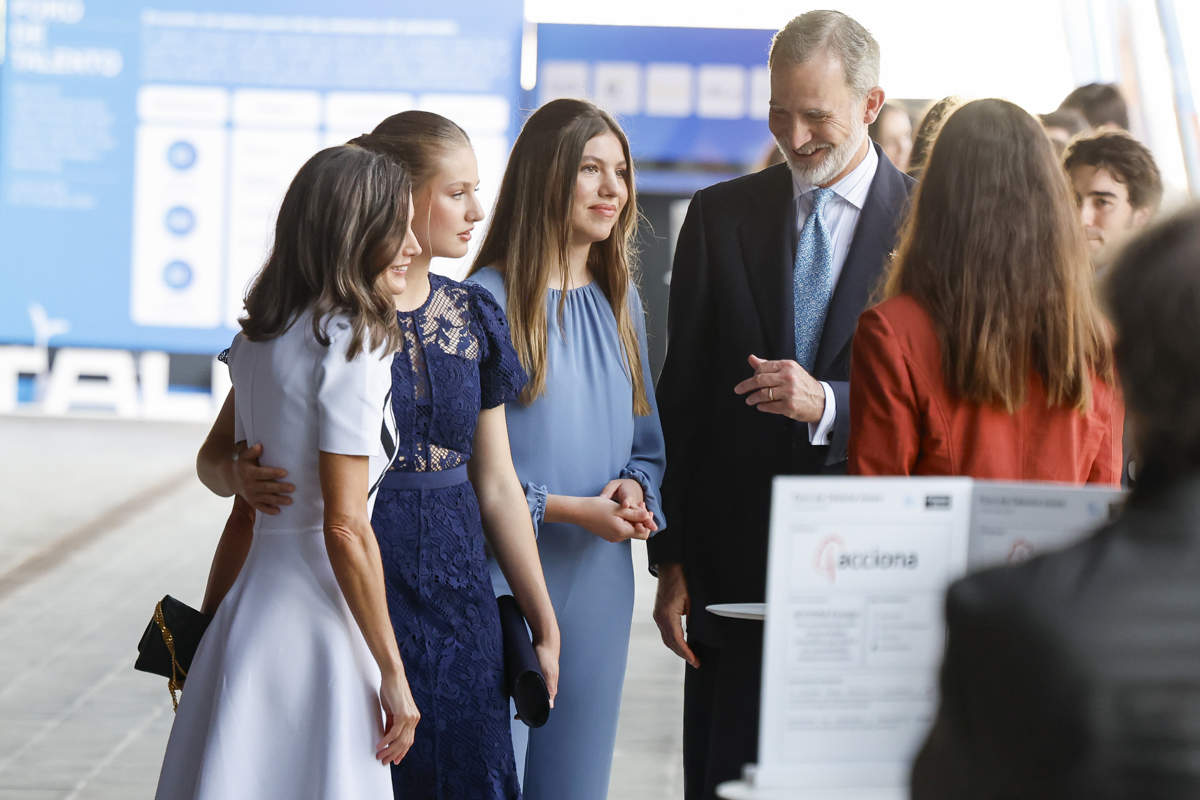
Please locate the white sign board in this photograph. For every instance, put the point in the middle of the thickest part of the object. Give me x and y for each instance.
(854, 628)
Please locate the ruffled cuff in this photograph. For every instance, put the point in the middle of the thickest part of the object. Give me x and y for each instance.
(535, 495)
(649, 493)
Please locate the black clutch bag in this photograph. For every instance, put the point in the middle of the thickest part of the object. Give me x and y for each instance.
(522, 673)
(170, 641)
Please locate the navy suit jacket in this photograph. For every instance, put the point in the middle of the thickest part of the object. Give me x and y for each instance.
(731, 295)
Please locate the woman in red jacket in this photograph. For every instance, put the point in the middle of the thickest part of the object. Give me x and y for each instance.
(989, 357)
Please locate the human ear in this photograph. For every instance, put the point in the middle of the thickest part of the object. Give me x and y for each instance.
(1141, 216)
(875, 98)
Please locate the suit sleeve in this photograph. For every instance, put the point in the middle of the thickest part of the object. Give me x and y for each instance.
(882, 402)
(1110, 458)
(1017, 698)
(839, 438)
(941, 768)
(681, 385)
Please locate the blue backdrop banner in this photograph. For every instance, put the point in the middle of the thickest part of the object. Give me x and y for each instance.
(683, 95)
(144, 150)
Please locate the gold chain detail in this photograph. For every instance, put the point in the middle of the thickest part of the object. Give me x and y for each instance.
(177, 671)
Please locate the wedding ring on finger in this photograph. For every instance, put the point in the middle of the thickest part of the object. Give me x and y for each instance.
(771, 393)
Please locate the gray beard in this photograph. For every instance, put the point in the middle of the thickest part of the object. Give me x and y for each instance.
(834, 162)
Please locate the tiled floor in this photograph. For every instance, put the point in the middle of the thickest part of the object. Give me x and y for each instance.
(98, 519)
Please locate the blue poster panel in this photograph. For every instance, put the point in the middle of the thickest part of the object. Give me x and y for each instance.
(144, 149)
(695, 96)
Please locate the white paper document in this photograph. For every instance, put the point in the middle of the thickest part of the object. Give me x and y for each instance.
(854, 630)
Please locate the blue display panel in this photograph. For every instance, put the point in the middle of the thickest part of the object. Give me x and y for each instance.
(144, 150)
(683, 95)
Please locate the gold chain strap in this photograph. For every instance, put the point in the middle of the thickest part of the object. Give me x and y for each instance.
(177, 671)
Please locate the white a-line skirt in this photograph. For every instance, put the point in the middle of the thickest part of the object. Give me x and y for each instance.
(281, 702)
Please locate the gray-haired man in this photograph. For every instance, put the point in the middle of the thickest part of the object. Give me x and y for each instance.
(770, 275)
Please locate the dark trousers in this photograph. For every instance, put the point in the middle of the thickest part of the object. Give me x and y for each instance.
(720, 711)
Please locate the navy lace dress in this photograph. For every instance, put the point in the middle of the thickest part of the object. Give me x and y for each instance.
(457, 358)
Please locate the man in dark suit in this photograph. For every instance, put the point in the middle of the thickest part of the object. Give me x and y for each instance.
(771, 272)
(1077, 674)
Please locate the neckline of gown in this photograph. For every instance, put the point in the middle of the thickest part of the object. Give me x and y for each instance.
(434, 284)
(554, 290)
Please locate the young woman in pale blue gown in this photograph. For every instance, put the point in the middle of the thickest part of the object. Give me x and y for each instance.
(585, 435)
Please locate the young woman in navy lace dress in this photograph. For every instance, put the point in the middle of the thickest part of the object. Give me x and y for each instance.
(452, 481)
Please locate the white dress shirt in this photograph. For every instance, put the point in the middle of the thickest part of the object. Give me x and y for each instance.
(840, 215)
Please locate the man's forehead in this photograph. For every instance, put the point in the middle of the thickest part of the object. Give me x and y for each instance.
(1097, 178)
(820, 77)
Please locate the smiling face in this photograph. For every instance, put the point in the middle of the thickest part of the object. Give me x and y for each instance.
(394, 278)
(446, 206)
(818, 123)
(601, 189)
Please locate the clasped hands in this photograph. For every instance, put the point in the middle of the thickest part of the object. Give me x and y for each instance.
(618, 513)
(783, 387)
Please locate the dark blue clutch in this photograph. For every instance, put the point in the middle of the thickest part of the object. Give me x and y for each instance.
(522, 673)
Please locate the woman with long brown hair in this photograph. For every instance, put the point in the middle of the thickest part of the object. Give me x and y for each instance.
(989, 356)
(585, 436)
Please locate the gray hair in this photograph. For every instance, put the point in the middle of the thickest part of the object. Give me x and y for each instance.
(837, 34)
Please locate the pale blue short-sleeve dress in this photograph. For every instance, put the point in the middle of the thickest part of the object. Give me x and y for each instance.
(282, 698)
(580, 434)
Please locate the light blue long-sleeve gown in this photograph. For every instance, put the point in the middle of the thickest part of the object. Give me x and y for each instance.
(580, 434)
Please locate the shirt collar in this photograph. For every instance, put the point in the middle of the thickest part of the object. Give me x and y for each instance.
(854, 187)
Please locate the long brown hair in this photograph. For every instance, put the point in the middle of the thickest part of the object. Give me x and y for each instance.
(529, 236)
(992, 250)
(342, 220)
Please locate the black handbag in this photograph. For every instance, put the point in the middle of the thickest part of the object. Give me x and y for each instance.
(170, 641)
(523, 677)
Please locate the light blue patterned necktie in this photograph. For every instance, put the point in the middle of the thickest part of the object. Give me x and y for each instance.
(812, 280)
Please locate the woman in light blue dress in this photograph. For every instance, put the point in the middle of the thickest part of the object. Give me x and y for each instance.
(585, 435)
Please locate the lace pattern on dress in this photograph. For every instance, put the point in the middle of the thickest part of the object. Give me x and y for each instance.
(457, 358)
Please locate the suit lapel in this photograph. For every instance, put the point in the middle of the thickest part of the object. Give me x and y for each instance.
(766, 239)
(873, 241)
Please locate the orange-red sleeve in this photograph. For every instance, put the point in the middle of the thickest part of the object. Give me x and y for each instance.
(884, 419)
(1110, 458)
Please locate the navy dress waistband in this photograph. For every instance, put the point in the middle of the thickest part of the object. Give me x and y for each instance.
(416, 481)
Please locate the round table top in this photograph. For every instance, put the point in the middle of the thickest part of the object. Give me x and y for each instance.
(741, 790)
(744, 790)
(757, 611)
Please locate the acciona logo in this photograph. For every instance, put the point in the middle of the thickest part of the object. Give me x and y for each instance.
(833, 557)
